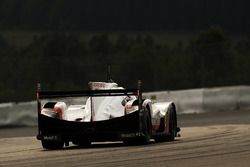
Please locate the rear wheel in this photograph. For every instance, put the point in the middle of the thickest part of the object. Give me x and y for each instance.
(146, 127)
(146, 130)
(52, 145)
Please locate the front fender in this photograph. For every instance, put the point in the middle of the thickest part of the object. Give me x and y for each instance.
(162, 108)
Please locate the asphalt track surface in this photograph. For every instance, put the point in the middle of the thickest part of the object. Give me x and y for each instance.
(213, 139)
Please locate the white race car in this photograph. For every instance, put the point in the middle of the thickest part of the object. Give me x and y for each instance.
(110, 113)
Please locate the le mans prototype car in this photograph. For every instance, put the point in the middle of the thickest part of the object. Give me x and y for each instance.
(110, 113)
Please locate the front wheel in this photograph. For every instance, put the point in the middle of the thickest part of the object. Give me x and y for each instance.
(172, 125)
(169, 127)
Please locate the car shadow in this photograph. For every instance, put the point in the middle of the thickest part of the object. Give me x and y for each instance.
(116, 144)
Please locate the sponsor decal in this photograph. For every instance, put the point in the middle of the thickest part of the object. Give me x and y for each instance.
(131, 135)
(51, 138)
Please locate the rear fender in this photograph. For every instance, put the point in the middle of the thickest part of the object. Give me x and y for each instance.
(148, 104)
(163, 108)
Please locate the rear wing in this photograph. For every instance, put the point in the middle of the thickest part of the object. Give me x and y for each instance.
(82, 93)
(90, 93)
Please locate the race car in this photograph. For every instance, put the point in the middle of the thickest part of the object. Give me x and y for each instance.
(110, 113)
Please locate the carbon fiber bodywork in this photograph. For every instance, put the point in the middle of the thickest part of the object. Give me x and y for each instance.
(114, 129)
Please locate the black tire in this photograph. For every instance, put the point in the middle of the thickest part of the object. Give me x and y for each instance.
(146, 131)
(52, 145)
(146, 127)
(172, 127)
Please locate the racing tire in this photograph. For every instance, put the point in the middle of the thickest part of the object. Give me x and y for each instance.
(172, 124)
(146, 128)
(146, 131)
(52, 145)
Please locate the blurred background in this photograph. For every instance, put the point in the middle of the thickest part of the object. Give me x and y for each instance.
(168, 44)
